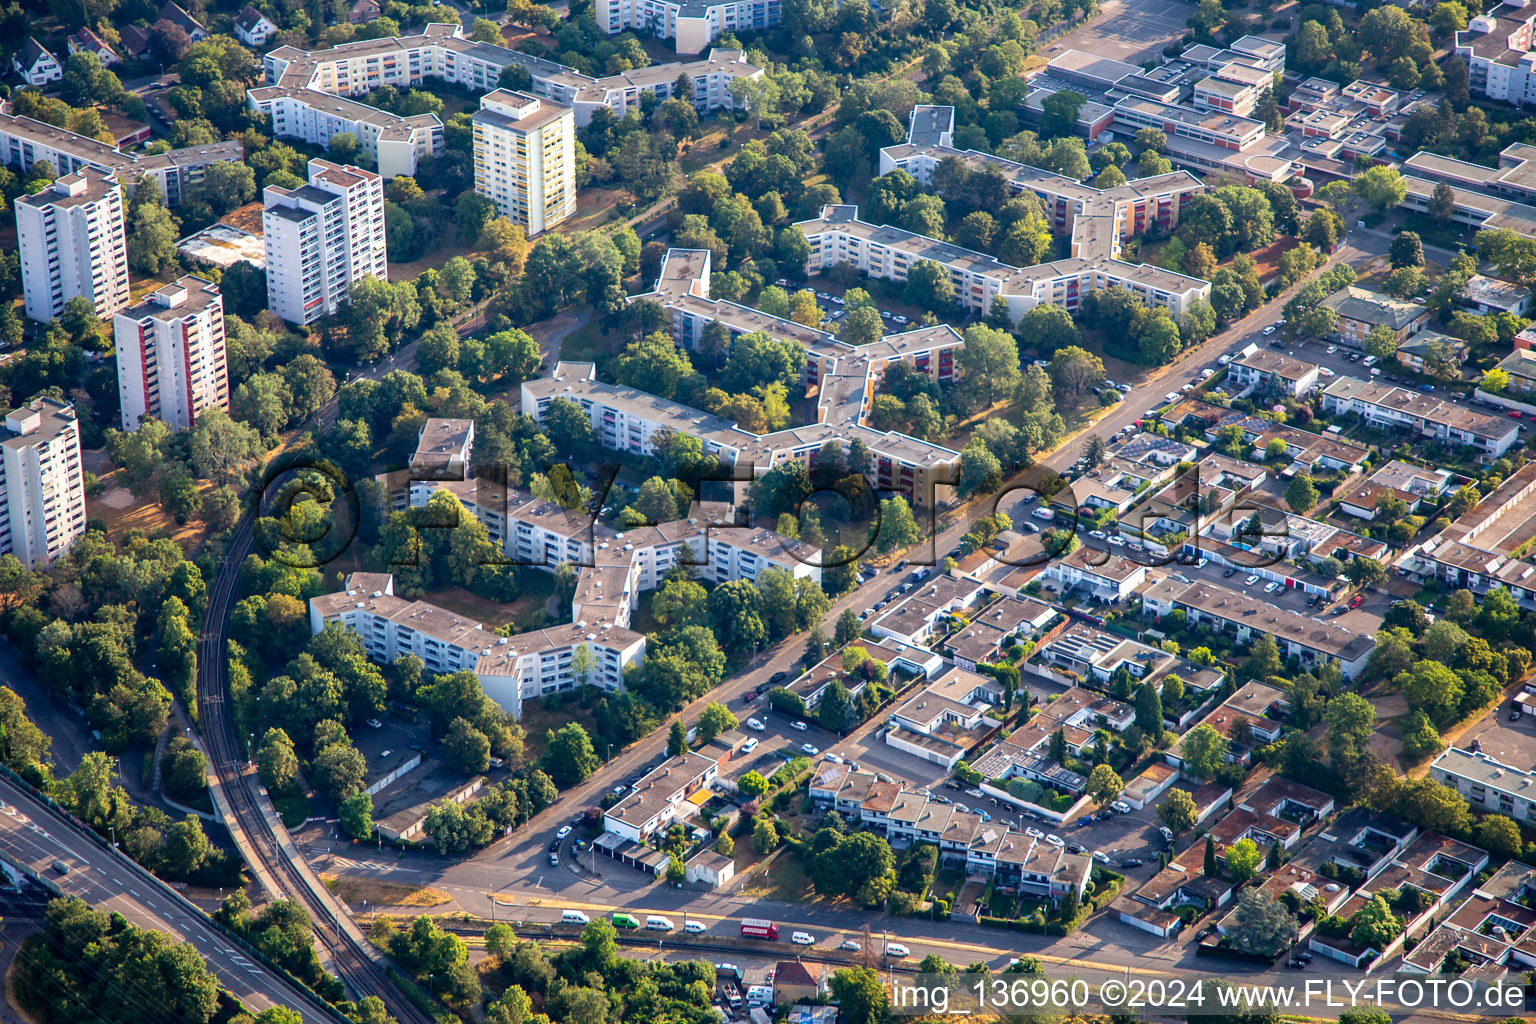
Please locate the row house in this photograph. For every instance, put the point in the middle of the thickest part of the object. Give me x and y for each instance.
(1394, 409)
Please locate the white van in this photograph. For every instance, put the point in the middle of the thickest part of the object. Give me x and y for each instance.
(657, 923)
(574, 917)
(1368, 361)
(1043, 513)
(802, 939)
(897, 950)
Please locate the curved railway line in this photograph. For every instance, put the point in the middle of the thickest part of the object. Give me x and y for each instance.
(257, 825)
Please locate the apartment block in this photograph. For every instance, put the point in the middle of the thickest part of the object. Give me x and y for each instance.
(313, 95)
(171, 355)
(1394, 409)
(692, 24)
(511, 669)
(525, 158)
(25, 141)
(1497, 46)
(42, 485)
(1361, 309)
(72, 244)
(321, 239)
(1228, 611)
(1493, 786)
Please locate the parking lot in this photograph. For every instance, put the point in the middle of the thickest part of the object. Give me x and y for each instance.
(1129, 30)
(895, 315)
(1509, 742)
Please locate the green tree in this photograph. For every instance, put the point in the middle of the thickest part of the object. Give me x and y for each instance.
(1375, 925)
(765, 837)
(276, 761)
(1149, 710)
(677, 738)
(1204, 751)
(340, 770)
(356, 814)
(465, 748)
(860, 996)
(1243, 858)
(568, 756)
(1104, 784)
(1301, 494)
(1178, 810)
(1381, 186)
(1499, 835)
(752, 784)
(715, 719)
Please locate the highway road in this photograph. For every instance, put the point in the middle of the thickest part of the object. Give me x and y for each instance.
(36, 837)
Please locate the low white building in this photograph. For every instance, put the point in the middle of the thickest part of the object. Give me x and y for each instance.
(1270, 371)
(1488, 784)
(663, 795)
(253, 27)
(1100, 574)
(36, 66)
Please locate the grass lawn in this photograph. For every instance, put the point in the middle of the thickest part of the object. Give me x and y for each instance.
(294, 810)
(122, 514)
(587, 343)
(536, 590)
(538, 720)
(784, 879)
(386, 894)
(443, 248)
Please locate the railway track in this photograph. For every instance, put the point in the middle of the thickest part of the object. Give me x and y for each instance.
(258, 825)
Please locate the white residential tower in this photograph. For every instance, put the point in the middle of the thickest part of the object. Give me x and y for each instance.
(171, 355)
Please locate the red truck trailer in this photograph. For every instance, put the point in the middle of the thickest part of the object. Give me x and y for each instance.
(755, 928)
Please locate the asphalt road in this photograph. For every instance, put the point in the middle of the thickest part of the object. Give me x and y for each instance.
(34, 837)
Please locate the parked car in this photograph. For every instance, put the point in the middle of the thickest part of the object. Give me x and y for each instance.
(1271, 587)
(1357, 601)
(1033, 832)
(799, 727)
(1121, 806)
(1250, 581)
(1229, 571)
(750, 745)
(1269, 330)
(695, 927)
(1101, 856)
(755, 725)
(565, 830)
(849, 946)
(1134, 862)
(1054, 839)
(802, 938)
(810, 749)
(777, 678)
